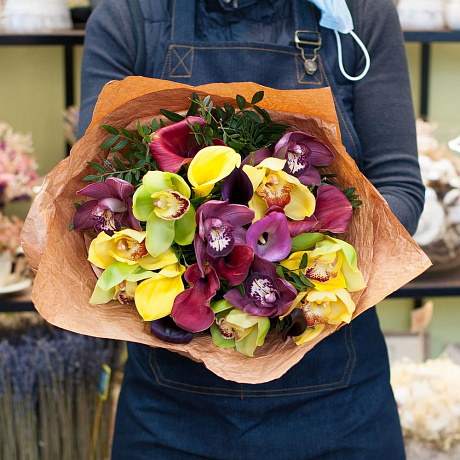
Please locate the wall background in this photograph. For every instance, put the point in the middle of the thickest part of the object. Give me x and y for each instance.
(32, 99)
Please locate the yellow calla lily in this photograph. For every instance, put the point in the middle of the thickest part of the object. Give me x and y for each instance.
(126, 246)
(209, 166)
(155, 296)
(275, 187)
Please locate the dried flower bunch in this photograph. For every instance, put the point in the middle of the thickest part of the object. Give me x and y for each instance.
(10, 229)
(18, 168)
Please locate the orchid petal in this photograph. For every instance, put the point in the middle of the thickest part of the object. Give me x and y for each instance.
(310, 334)
(185, 228)
(142, 204)
(241, 319)
(160, 234)
(200, 252)
(353, 276)
(248, 345)
(255, 175)
(255, 158)
(191, 310)
(171, 144)
(269, 237)
(259, 206)
(101, 296)
(170, 204)
(220, 306)
(237, 188)
(83, 217)
(119, 188)
(236, 215)
(310, 177)
(100, 249)
(98, 191)
(321, 154)
(114, 204)
(302, 203)
(275, 164)
(114, 274)
(127, 219)
(150, 262)
(333, 209)
(219, 340)
(167, 330)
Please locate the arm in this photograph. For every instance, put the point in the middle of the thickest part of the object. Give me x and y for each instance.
(384, 117)
(109, 54)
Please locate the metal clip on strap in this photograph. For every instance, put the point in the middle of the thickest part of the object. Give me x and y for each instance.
(302, 39)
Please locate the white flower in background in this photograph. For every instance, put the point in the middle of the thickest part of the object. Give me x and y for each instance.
(428, 398)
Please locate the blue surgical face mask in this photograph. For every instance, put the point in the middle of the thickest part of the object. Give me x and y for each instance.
(335, 15)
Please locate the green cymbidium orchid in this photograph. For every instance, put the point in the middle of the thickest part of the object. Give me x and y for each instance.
(234, 328)
(163, 202)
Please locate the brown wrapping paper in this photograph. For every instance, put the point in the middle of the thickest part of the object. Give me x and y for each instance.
(387, 256)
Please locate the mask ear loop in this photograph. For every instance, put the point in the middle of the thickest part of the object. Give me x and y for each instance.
(365, 52)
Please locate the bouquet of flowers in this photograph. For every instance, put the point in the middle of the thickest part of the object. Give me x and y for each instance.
(224, 195)
(18, 169)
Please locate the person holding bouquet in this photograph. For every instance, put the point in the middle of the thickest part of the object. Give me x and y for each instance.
(337, 401)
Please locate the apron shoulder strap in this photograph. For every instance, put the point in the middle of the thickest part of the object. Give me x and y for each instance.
(137, 20)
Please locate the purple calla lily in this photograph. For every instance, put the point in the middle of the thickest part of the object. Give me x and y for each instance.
(191, 310)
(269, 237)
(220, 228)
(267, 294)
(174, 145)
(167, 330)
(237, 188)
(110, 209)
(333, 213)
(235, 267)
(302, 153)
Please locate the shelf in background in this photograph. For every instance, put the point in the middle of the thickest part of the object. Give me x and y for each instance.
(56, 37)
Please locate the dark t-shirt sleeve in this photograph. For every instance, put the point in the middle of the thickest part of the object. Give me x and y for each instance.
(383, 112)
(109, 54)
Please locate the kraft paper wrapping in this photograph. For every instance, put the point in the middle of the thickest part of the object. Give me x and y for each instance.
(387, 255)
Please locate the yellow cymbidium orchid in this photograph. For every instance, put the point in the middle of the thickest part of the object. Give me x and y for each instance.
(331, 265)
(209, 166)
(155, 296)
(126, 246)
(275, 187)
(321, 308)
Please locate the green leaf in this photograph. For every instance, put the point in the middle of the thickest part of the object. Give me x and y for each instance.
(240, 101)
(127, 133)
(257, 97)
(296, 279)
(175, 117)
(305, 280)
(109, 165)
(119, 163)
(70, 226)
(280, 272)
(264, 114)
(140, 129)
(109, 142)
(90, 178)
(129, 176)
(229, 109)
(220, 114)
(99, 168)
(193, 107)
(111, 129)
(252, 116)
(120, 146)
(304, 261)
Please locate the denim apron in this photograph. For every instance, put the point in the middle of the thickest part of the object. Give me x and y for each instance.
(336, 403)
